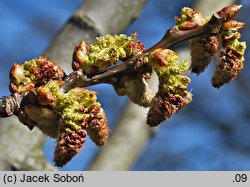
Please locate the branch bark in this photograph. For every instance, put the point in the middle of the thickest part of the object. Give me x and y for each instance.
(22, 149)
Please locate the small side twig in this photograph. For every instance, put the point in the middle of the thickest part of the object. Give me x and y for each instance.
(10, 105)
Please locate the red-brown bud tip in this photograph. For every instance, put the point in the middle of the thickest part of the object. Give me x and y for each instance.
(79, 55)
(229, 12)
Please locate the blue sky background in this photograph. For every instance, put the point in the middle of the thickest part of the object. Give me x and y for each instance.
(211, 133)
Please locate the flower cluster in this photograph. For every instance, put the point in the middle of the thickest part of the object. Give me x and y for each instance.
(106, 51)
(203, 48)
(231, 59)
(189, 19)
(172, 93)
(80, 113)
(70, 117)
(24, 77)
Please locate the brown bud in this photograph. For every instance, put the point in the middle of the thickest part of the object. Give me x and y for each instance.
(232, 24)
(160, 58)
(17, 74)
(187, 25)
(45, 96)
(80, 55)
(229, 12)
(19, 88)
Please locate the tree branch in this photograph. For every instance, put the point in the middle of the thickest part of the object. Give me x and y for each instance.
(135, 63)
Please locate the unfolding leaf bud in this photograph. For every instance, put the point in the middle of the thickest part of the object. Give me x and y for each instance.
(46, 95)
(24, 77)
(106, 51)
(189, 19)
(160, 58)
(203, 48)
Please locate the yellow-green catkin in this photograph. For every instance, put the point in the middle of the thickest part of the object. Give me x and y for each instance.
(80, 113)
(172, 94)
(106, 51)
